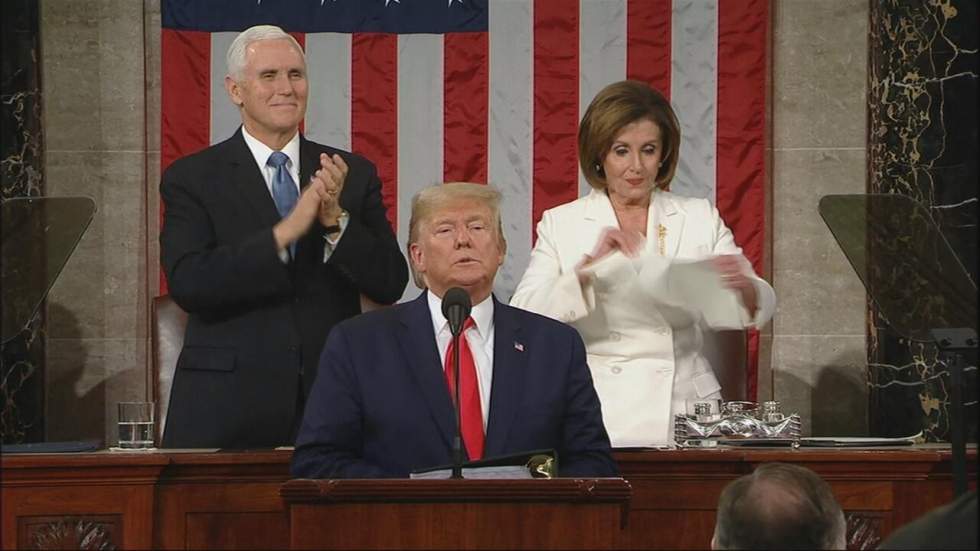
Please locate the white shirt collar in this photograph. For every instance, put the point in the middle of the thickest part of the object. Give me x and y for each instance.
(261, 151)
(482, 314)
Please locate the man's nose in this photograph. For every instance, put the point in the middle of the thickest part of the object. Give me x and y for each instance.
(463, 238)
(284, 85)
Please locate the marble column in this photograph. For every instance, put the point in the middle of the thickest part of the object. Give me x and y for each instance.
(922, 129)
(22, 357)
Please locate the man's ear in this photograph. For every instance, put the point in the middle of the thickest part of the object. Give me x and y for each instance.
(416, 257)
(234, 90)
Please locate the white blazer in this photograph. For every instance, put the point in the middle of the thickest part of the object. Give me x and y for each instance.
(645, 355)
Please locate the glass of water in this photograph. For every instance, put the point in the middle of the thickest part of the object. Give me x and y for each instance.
(136, 425)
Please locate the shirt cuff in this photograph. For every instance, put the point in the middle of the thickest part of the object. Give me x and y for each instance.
(331, 239)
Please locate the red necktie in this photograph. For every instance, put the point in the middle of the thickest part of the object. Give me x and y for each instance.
(470, 411)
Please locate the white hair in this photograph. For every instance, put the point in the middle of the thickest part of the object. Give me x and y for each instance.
(235, 59)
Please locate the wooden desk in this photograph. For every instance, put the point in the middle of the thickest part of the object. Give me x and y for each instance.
(675, 493)
(562, 513)
(229, 500)
(146, 499)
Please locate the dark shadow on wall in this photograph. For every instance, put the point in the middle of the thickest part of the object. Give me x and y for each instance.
(838, 399)
(74, 410)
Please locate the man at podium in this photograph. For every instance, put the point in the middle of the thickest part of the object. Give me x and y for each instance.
(383, 401)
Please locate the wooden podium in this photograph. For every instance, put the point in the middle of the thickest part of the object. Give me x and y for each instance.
(457, 514)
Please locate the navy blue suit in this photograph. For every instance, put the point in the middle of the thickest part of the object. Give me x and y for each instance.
(380, 406)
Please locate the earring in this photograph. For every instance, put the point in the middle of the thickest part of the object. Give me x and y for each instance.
(598, 168)
(660, 164)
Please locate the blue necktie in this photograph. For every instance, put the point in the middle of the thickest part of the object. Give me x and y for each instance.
(283, 188)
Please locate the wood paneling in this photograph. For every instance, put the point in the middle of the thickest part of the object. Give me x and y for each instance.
(223, 499)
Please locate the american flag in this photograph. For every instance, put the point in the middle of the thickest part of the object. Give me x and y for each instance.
(492, 91)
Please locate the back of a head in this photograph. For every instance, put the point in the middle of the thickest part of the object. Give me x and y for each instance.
(779, 506)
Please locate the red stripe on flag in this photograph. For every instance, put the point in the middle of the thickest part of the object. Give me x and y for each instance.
(741, 135)
(556, 82)
(466, 104)
(648, 43)
(374, 109)
(185, 99)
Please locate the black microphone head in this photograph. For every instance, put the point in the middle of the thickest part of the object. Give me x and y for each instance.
(456, 307)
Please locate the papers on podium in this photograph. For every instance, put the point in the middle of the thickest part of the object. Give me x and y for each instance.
(503, 472)
(523, 465)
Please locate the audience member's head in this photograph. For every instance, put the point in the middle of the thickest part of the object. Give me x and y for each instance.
(779, 506)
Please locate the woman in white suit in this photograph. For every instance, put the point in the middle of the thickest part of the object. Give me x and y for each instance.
(597, 262)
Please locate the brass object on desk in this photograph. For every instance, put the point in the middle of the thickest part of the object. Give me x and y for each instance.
(542, 466)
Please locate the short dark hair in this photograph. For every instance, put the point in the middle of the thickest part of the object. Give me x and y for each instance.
(613, 108)
(779, 506)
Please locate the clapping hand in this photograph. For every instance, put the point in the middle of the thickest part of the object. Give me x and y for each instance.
(331, 175)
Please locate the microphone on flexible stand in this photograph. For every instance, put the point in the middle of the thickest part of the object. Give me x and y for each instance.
(456, 307)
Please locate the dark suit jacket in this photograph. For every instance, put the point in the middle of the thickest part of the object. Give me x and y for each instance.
(380, 406)
(257, 325)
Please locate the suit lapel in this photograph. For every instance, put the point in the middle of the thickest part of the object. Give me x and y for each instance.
(509, 371)
(418, 342)
(248, 181)
(664, 212)
(309, 159)
(599, 210)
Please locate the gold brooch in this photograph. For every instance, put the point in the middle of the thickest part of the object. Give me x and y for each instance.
(662, 239)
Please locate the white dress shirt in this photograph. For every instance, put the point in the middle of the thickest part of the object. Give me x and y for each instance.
(480, 339)
(261, 153)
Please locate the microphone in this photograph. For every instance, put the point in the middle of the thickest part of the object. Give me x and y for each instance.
(456, 307)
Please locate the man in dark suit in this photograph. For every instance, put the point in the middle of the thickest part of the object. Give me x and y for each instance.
(382, 406)
(268, 241)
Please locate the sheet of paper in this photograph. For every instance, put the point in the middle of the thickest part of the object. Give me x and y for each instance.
(503, 472)
(698, 286)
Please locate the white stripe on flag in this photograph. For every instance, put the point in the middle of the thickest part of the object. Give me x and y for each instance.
(420, 126)
(225, 118)
(693, 92)
(509, 134)
(328, 73)
(602, 53)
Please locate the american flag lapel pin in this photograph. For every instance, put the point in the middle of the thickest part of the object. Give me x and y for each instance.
(518, 346)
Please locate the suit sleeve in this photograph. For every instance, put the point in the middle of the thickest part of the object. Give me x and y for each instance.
(368, 254)
(330, 439)
(547, 290)
(585, 450)
(202, 274)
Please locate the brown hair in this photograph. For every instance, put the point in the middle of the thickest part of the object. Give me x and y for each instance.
(616, 106)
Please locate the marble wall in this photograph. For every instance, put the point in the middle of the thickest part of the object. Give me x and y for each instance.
(923, 145)
(101, 68)
(21, 175)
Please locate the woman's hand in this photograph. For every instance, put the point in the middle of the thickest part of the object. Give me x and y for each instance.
(610, 241)
(733, 276)
(615, 239)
